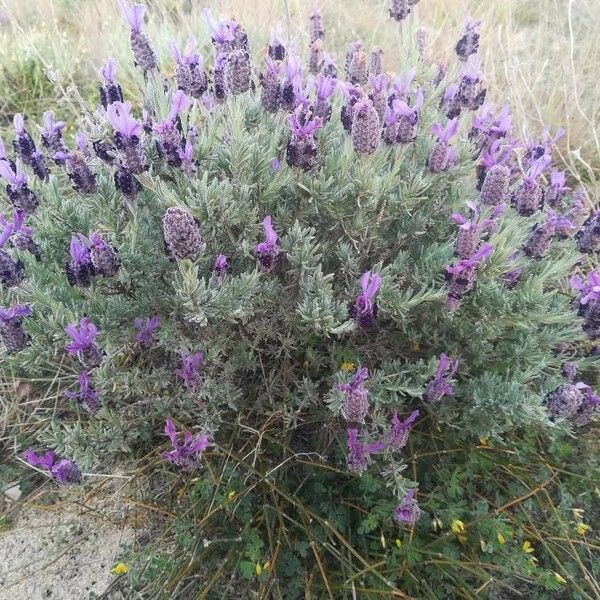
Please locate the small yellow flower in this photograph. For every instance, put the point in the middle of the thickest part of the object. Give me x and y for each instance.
(258, 569)
(582, 528)
(267, 565)
(501, 538)
(483, 441)
(457, 526)
(232, 494)
(398, 542)
(180, 492)
(120, 569)
(559, 577)
(527, 547)
(347, 366)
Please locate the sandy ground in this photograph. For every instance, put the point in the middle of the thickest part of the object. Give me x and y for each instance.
(62, 548)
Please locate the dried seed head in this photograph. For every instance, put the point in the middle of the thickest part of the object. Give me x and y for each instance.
(495, 185)
(366, 127)
(182, 234)
(315, 57)
(238, 72)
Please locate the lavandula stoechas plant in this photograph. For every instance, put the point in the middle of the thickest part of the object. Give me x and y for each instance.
(364, 309)
(270, 83)
(324, 89)
(77, 166)
(52, 138)
(110, 89)
(471, 92)
(79, 267)
(143, 54)
(61, 470)
(146, 328)
(408, 118)
(87, 397)
(542, 234)
(167, 132)
(588, 237)
(302, 150)
(182, 234)
(366, 127)
(400, 430)
(359, 454)
(188, 372)
(355, 405)
(128, 133)
(189, 69)
(468, 44)
(17, 190)
(268, 254)
(103, 256)
(470, 229)
(462, 276)
(83, 343)
(18, 234)
(26, 150)
(12, 272)
(588, 303)
(438, 386)
(529, 196)
(13, 336)
(188, 453)
(408, 511)
(443, 154)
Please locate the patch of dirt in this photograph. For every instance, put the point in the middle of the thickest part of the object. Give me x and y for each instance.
(62, 546)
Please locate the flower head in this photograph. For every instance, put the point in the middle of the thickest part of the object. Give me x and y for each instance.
(63, 471)
(82, 337)
(188, 453)
(408, 511)
(134, 15)
(87, 397)
(356, 402)
(359, 454)
(145, 329)
(188, 372)
(267, 251)
(400, 430)
(439, 386)
(364, 310)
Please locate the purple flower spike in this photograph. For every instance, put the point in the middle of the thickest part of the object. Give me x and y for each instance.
(62, 471)
(408, 511)
(221, 265)
(400, 430)
(438, 386)
(109, 70)
(87, 397)
(83, 344)
(589, 302)
(145, 330)
(359, 454)
(356, 398)
(364, 309)
(79, 268)
(302, 150)
(188, 371)
(443, 155)
(188, 454)
(267, 252)
(462, 276)
(12, 334)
